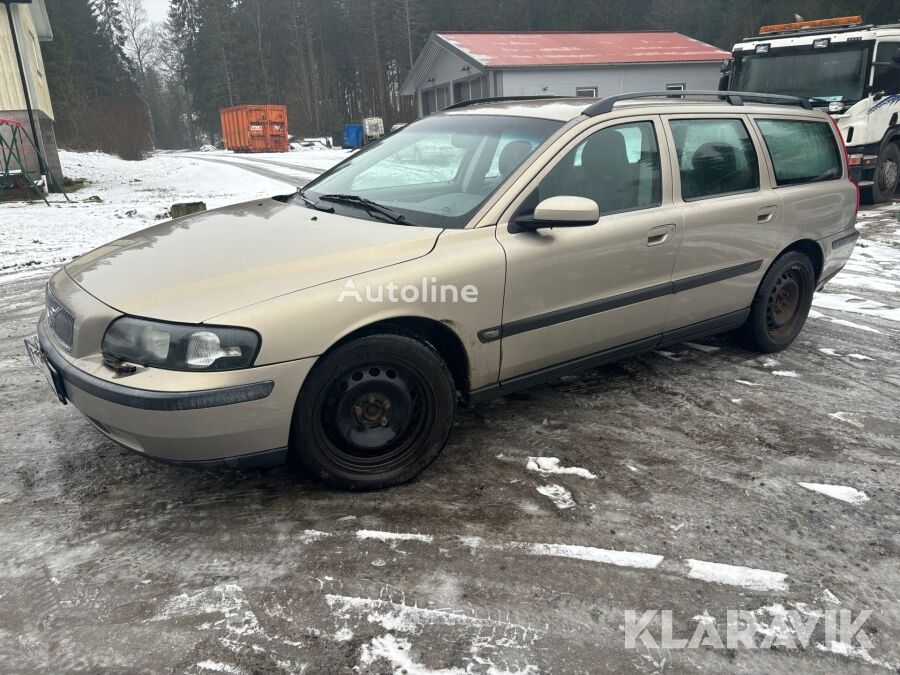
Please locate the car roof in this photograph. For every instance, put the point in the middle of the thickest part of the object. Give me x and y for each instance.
(567, 109)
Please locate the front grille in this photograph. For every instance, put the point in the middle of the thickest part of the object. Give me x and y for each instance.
(61, 321)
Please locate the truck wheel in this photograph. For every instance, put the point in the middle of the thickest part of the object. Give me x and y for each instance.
(887, 174)
(781, 304)
(373, 413)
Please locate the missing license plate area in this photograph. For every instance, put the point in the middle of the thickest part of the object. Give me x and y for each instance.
(39, 360)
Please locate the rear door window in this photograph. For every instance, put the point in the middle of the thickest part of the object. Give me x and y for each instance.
(802, 151)
(715, 157)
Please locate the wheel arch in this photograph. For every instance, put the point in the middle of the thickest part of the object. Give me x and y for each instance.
(435, 333)
(811, 249)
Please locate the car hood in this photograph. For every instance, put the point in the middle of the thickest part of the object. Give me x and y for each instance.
(195, 268)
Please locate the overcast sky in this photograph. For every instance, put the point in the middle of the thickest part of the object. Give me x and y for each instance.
(157, 9)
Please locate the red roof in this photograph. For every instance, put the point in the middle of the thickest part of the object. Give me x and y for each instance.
(558, 49)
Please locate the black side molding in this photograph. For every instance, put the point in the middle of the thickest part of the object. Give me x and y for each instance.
(615, 302)
(146, 399)
(843, 241)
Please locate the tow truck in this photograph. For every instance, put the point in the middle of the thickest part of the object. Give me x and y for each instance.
(841, 65)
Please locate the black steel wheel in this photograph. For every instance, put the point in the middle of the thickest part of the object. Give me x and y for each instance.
(781, 304)
(374, 412)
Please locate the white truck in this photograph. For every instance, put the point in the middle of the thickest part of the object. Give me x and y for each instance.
(851, 70)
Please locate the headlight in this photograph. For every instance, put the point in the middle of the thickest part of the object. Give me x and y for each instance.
(180, 347)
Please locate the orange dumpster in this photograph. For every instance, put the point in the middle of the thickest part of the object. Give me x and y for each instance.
(255, 128)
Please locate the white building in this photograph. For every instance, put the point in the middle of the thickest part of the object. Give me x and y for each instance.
(462, 66)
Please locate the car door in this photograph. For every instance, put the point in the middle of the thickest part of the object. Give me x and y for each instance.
(732, 219)
(576, 292)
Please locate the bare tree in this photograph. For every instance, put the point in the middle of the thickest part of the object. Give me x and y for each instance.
(142, 37)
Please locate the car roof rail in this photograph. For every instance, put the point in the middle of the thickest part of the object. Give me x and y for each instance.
(605, 105)
(499, 99)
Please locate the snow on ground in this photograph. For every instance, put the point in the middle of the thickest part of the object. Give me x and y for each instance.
(134, 195)
(841, 492)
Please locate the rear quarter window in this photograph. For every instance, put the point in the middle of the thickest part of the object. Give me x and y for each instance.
(802, 151)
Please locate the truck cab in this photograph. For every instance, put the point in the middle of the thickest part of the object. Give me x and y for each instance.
(851, 70)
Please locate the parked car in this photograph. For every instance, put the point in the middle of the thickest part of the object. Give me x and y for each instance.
(571, 232)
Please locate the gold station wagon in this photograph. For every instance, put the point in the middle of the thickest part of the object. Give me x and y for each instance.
(474, 252)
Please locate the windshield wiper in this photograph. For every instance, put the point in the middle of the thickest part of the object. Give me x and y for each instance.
(314, 204)
(370, 206)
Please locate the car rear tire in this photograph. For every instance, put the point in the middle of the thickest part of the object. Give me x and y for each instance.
(373, 413)
(887, 175)
(781, 304)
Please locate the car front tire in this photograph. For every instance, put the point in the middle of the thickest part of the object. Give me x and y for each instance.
(781, 304)
(373, 413)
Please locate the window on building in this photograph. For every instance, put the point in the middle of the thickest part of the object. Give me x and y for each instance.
(428, 104)
(586, 91)
(801, 151)
(716, 157)
(442, 97)
(617, 167)
(470, 90)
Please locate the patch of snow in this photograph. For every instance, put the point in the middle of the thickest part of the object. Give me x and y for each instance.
(393, 536)
(218, 667)
(848, 417)
(558, 495)
(860, 357)
(829, 351)
(851, 652)
(403, 618)
(748, 383)
(813, 314)
(828, 596)
(550, 465)
(737, 401)
(599, 555)
(343, 634)
(736, 575)
(396, 651)
(855, 304)
(841, 492)
(785, 373)
(313, 535)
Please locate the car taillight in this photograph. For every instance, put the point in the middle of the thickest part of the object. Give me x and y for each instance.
(848, 159)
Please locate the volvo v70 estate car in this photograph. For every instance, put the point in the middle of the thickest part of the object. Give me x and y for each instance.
(486, 248)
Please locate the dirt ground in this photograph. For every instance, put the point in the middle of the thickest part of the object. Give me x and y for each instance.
(679, 458)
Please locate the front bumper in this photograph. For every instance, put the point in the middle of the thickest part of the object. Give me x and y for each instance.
(232, 418)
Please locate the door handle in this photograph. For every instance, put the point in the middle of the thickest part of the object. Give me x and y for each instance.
(660, 235)
(766, 214)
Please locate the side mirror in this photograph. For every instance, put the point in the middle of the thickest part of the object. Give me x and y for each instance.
(562, 211)
(895, 57)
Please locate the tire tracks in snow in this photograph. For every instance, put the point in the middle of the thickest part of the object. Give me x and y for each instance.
(294, 179)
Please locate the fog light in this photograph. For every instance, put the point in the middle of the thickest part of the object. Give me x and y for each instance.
(836, 107)
(821, 43)
(855, 160)
(762, 49)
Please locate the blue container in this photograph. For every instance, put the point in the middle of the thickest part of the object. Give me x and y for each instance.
(353, 136)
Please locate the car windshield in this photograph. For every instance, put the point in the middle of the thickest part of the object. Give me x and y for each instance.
(435, 172)
(829, 74)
